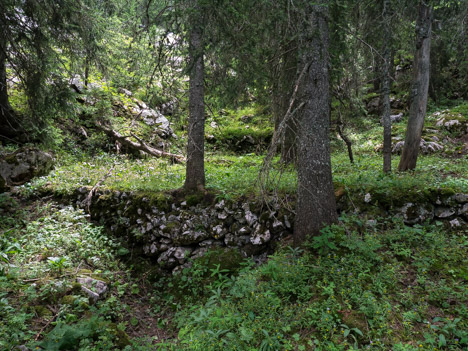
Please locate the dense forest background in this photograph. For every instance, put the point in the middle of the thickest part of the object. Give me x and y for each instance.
(233, 175)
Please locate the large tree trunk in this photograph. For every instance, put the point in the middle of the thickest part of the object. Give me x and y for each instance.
(195, 171)
(8, 123)
(419, 89)
(316, 205)
(387, 123)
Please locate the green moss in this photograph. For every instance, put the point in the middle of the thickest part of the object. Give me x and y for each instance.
(194, 199)
(105, 197)
(76, 287)
(170, 226)
(228, 259)
(68, 300)
(162, 201)
(43, 311)
(122, 338)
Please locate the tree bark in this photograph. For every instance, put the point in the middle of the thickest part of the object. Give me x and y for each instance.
(289, 68)
(419, 88)
(8, 123)
(385, 94)
(316, 205)
(195, 171)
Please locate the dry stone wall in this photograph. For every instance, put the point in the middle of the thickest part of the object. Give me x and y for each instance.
(172, 231)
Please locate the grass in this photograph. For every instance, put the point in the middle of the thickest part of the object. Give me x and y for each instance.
(360, 285)
(236, 176)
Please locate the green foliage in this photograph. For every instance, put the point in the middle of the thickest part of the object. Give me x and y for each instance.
(352, 297)
(92, 334)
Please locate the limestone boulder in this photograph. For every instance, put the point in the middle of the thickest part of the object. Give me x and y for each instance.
(24, 164)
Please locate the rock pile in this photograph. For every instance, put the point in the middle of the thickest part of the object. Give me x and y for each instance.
(453, 209)
(171, 233)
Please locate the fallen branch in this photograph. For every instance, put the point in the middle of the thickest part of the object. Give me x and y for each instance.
(279, 132)
(87, 202)
(45, 326)
(141, 145)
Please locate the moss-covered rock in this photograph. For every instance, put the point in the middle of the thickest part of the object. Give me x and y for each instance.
(68, 300)
(43, 311)
(229, 259)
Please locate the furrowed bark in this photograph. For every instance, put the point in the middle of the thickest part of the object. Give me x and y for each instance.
(316, 205)
(386, 86)
(419, 90)
(195, 171)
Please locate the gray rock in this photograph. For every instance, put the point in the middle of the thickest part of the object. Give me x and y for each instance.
(230, 240)
(457, 223)
(150, 249)
(250, 218)
(277, 224)
(94, 288)
(461, 198)
(286, 222)
(444, 212)
(219, 205)
(179, 269)
(260, 236)
(199, 252)
(219, 231)
(426, 147)
(463, 211)
(166, 258)
(172, 218)
(190, 237)
(181, 253)
(24, 164)
(414, 213)
(244, 230)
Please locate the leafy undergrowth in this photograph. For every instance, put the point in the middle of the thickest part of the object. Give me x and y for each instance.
(361, 285)
(371, 287)
(44, 247)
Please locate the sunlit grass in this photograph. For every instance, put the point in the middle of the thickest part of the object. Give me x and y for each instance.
(237, 176)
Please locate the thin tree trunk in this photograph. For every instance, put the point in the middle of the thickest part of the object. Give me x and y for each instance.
(195, 171)
(86, 72)
(289, 145)
(419, 89)
(349, 144)
(387, 123)
(316, 205)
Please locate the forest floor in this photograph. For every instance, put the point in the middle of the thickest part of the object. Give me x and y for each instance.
(367, 283)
